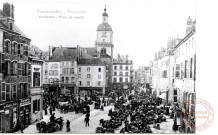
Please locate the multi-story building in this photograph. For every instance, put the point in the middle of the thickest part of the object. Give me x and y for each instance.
(91, 76)
(60, 71)
(142, 75)
(185, 76)
(122, 75)
(15, 73)
(36, 90)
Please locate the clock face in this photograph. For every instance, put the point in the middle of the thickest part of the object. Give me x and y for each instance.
(104, 34)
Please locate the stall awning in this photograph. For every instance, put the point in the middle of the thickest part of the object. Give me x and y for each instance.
(163, 96)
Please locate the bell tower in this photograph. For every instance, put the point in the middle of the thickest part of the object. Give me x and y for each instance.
(104, 41)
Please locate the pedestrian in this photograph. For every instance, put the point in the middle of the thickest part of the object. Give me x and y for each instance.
(87, 115)
(50, 110)
(87, 121)
(21, 126)
(68, 125)
(79, 99)
(52, 118)
(46, 111)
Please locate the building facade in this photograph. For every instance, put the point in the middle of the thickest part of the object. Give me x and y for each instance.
(36, 90)
(185, 77)
(15, 73)
(122, 75)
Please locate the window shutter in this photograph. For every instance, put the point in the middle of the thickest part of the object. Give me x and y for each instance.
(0, 63)
(38, 104)
(18, 91)
(0, 94)
(23, 68)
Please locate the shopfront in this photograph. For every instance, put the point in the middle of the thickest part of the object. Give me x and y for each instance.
(25, 107)
(10, 120)
(98, 91)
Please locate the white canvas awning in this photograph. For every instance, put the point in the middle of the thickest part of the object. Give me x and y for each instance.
(163, 96)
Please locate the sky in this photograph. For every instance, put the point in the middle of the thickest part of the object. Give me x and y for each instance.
(140, 27)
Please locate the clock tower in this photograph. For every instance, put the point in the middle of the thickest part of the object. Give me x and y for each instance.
(104, 41)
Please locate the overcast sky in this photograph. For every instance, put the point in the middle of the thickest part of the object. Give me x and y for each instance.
(140, 27)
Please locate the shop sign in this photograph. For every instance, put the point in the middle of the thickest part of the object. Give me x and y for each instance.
(11, 104)
(6, 111)
(24, 102)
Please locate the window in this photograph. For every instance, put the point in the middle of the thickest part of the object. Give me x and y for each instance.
(115, 80)
(62, 63)
(79, 69)
(7, 47)
(177, 70)
(104, 34)
(51, 80)
(55, 72)
(12, 48)
(72, 70)
(175, 99)
(88, 69)
(72, 79)
(25, 50)
(67, 71)
(79, 75)
(14, 91)
(8, 92)
(126, 80)
(67, 79)
(99, 83)
(126, 74)
(62, 79)
(3, 93)
(115, 73)
(80, 83)
(126, 67)
(36, 105)
(88, 75)
(121, 79)
(36, 79)
(18, 49)
(51, 72)
(121, 67)
(121, 73)
(191, 68)
(88, 83)
(67, 63)
(175, 92)
(46, 71)
(164, 74)
(99, 76)
(99, 69)
(103, 50)
(115, 67)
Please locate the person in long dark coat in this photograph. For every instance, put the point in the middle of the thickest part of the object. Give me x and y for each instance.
(68, 125)
(50, 110)
(87, 121)
(46, 111)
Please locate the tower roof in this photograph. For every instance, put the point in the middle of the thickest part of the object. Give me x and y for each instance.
(104, 27)
(105, 13)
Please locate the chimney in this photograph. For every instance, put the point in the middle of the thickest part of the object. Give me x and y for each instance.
(8, 9)
(127, 57)
(118, 56)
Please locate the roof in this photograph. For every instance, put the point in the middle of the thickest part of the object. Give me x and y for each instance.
(105, 14)
(92, 51)
(102, 55)
(104, 27)
(15, 28)
(90, 61)
(63, 54)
